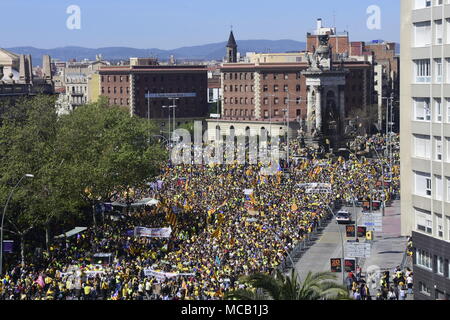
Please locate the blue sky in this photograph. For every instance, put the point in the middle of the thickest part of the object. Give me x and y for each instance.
(169, 24)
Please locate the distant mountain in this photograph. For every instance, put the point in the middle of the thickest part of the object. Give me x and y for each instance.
(213, 51)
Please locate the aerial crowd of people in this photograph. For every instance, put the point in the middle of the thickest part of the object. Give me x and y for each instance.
(226, 221)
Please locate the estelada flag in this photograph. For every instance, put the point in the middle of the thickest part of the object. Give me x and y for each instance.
(220, 218)
(216, 234)
(172, 218)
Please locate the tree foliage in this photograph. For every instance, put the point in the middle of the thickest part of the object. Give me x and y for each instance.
(316, 286)
(76, 159)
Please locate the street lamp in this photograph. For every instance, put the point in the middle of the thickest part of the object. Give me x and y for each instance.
(3, 218)
(382, 176)
(170, 132)
(342, 243)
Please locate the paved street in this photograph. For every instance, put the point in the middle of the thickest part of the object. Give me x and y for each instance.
(387, 250)
(327, 246)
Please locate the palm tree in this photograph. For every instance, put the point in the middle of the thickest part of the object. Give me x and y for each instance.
(316, 286)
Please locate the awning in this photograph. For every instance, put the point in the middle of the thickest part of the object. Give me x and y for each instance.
(71, 233)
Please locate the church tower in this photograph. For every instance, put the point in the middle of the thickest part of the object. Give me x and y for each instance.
(231, 49)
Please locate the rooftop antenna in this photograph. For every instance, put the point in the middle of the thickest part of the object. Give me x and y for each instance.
(334, 19)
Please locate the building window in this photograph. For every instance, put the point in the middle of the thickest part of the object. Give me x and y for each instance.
(439, 225)
(440, 266)
(275, 88)
(422, 71)
(422, 34)
(438, 70)
(438, 144)
(275, 76)
(439, 32)
(424, 289)
(422, 110)
(423, 184)
(422, 146)
(275, 101)
(424, 221)
(297, 88)
(423, 259)
(286, 88)
(265, 88)
(447, 102)
(439, 186)
(448, 196)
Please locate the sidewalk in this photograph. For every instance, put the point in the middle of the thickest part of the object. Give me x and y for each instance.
(389, 246)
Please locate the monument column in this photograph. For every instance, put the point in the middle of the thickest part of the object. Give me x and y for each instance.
(309, 111)
(318, 91)
(342, 108)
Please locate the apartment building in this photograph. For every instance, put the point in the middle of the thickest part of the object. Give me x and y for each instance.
(425, 142)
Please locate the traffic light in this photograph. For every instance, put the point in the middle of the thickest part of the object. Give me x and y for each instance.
(369, 235)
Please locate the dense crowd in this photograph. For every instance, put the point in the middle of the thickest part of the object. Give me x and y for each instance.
(219, 232)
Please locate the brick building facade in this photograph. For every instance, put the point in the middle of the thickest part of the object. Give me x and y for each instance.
(128, 85)
(252, 91)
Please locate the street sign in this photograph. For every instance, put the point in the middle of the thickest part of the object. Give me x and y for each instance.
(336, 265)
(358, 250)
(373, 221)
(350, 265)
(361, 231)
(170, 95)
(350, 231)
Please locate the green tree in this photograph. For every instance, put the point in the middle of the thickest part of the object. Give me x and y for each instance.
(76, 159)
(107, 151)
(27, 145)
(316, 286)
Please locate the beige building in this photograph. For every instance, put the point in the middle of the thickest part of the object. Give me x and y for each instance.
(425, 142)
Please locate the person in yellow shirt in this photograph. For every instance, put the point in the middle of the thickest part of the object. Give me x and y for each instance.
(87, 291)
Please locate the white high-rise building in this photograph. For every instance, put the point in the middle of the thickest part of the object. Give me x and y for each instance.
(425, 142)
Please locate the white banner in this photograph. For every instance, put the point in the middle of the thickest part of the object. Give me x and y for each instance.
(152, 232)
(163, 275)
